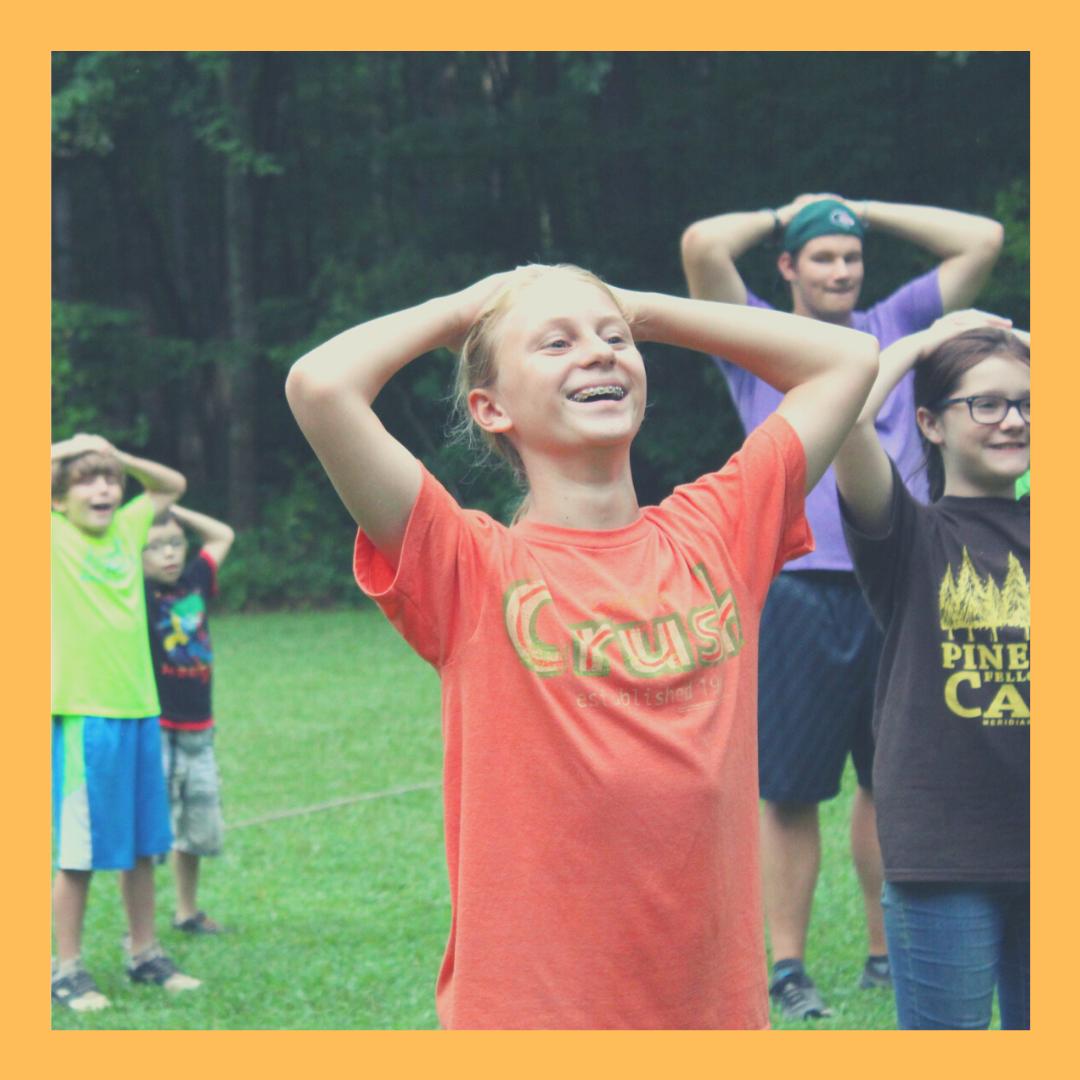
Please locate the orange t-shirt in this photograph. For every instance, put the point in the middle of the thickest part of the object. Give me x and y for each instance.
(599, 717)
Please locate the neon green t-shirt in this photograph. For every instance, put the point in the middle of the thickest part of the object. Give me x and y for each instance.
(1023, 485)
(100, 647)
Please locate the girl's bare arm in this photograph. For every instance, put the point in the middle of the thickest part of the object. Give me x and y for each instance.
(331, 389)
(863, 471)
(824, 371)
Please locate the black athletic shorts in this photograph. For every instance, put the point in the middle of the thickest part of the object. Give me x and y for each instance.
(817, 661)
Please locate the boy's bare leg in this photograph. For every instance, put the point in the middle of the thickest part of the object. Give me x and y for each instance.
(790, 859)
(70, 890)
(186, 869)
(866, 854)
(137, 888)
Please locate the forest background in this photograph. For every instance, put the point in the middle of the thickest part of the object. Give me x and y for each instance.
(215, 215)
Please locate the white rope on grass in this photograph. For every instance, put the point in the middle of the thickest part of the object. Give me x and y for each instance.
(333, 804)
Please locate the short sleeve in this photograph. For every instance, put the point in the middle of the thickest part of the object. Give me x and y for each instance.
(881, 562)
(133, 520)
(754, 398)
(203, 573)
(433, 596)
(911, 308)
(753, 507)
(753, 300)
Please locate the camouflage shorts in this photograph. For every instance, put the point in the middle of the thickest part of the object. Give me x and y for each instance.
(194, 784)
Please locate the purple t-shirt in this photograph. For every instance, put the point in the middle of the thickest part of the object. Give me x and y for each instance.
(912, 307)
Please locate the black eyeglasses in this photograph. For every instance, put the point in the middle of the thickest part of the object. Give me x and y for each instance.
(989, 408)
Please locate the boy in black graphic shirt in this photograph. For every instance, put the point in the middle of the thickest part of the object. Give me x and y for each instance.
(183, 664)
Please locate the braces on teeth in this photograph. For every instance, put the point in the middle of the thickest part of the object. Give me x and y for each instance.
(599, 391)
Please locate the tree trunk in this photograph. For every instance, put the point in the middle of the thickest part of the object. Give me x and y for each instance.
(237, 91)
(63, 274)
(190, 442)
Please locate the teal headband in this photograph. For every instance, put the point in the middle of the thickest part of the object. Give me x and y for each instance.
(826, 217)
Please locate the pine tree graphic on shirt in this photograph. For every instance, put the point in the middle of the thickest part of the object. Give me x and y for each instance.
(972, 603)
(1016, 598)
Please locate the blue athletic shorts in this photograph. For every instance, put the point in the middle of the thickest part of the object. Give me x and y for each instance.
(817, 662)
(110, 805)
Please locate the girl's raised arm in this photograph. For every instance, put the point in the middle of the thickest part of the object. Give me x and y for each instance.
(825, 371)
(330, 392)
(863, 471)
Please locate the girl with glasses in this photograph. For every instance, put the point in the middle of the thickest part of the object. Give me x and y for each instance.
(949, 584)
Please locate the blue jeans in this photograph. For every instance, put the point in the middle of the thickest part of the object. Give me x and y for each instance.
(950, 944)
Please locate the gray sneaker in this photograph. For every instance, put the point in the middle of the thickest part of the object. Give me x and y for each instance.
(794, 993)
(876, 974)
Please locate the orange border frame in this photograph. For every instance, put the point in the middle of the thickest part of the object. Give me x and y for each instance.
(31, 1047)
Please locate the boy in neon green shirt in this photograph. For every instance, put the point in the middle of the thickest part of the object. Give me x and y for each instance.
(109, 800)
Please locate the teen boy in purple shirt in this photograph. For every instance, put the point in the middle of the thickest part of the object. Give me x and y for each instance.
(819, 644)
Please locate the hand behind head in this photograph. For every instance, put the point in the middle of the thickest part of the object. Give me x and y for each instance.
(786, 213)
(956, 322)
(471, 301)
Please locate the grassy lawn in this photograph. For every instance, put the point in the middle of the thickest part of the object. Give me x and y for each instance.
(836, 950)
(341, 916)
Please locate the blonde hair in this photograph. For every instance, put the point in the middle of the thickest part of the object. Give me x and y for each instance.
(477, 366)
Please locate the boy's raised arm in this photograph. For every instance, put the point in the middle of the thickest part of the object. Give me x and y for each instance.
(967, 244)
(215, 536)
(825, 371)
(81, 444)
(711, 246)
(163, 485)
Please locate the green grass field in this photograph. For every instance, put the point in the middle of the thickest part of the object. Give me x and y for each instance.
(341, 915)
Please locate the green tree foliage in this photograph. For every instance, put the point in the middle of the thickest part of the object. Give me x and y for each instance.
(217, 214)
(1008, 289)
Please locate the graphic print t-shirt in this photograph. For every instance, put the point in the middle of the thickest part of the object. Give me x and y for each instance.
(100, 654)
(599, 720)
(949, 585)
(180, 644)
(912, 307)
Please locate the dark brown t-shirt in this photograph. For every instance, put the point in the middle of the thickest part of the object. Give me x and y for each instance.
(949, 586)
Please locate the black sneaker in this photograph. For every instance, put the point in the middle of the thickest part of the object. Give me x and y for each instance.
(153, 966)
(78, 991)
(796, 996)
(876, 974)
(199, 923)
